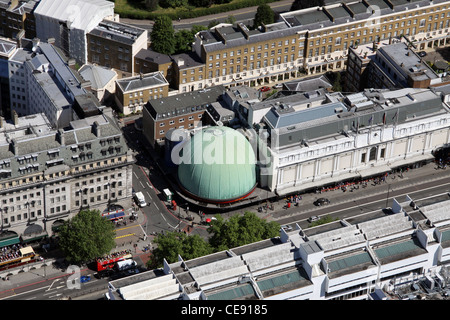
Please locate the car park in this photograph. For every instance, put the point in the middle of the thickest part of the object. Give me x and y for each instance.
(264, 89)
(321, 201)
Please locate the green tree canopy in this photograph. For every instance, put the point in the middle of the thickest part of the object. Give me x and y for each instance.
(264, 15)
(183, 41)
(163, 35)
(303, 4)
(86, 236)
(172, 3)
(237, 231)
(240, 230)
(172, 244)
(337, 87)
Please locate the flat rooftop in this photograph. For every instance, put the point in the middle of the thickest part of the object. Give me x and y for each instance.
(116, 31)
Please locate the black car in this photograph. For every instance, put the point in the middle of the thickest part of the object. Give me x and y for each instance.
(422, 54)
(321, 201)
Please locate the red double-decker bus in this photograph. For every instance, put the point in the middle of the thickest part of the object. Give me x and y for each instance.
(108, 261)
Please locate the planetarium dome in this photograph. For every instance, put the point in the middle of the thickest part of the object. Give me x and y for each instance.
(218, 166)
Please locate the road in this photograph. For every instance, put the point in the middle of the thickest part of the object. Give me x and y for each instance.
(244, 15)
(371, 203)
(148, 180)
(343, 207)
(58, 287)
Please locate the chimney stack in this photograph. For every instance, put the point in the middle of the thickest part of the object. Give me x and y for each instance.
(15, 117)
(61, 137)
(96, 128)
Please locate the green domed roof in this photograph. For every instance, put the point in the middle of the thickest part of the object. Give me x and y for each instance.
(218, 165)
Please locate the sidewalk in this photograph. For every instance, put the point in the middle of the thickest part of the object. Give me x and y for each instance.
(51, 272)
(426, 173)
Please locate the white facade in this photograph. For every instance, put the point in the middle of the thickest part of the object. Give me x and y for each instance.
(50, 175)
(346, 259)
(371, 150)
(68, 22)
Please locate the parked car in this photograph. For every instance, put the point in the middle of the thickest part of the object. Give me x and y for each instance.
(278, 86)
(85, 279)
(264, 89)
(321, 201)
(313, 218)
(286, 227)
(422, 53)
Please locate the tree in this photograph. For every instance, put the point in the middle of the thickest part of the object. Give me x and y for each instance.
(200, 3)
(172, 244)
(163, 35)
(303, 4)
(151, 5)
(172, 3)
(264, 15)
(183, 41)
(86, 236)
(240, 230)
(337, 87)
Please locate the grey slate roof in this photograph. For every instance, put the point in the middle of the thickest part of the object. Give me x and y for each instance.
(98, 76)
(184, 103)
(153, 56)
(146, 81)
(32, 144)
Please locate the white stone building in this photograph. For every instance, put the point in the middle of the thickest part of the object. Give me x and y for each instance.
(68, 22)
(325, 139)
(351, 259)
(48, 175)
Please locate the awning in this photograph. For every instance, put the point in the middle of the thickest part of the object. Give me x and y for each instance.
(374, 171)
(114, 215)
(9, 241)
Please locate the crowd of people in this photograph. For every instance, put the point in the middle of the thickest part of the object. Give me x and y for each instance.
(114, 255)
(10, 252)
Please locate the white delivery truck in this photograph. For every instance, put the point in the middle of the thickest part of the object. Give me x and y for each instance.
(139, 196)
(125, 264)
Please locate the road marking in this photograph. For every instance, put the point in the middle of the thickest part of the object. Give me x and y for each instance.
(368, 203)
(125, 228)
(127, 235)
(149, 185)
(50, 287)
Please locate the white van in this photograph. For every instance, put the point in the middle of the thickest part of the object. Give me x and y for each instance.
(140, 200)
